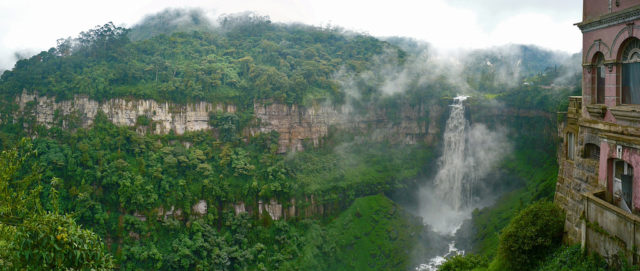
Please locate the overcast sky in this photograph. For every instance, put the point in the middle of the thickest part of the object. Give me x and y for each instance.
(30, 26)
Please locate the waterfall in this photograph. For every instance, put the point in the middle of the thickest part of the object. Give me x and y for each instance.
(445, 204)
(455, 179)
(469, 154)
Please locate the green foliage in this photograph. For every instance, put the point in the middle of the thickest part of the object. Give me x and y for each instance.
(530, 171)
(572, 258)
(348, 169)
(54, 242)
(143, 120)
(109, 174)
(530, 236)
(372, 234)
(227, 125)
(35, 239)
(113, 177)
(247, 58)
(464, 262)
(19, 185)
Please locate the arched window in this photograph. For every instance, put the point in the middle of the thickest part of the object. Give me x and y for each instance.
(599, 79)
(592, 151)
(631, 72)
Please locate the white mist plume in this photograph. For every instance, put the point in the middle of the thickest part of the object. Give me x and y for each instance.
(469, 72)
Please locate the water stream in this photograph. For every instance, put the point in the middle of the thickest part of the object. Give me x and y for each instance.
(449, 198)
(448, 201)
(435, 262)
(469, 154)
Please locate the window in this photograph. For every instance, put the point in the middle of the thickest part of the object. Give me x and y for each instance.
(623, 185)
(599, 80)
(592, 151)
(631, 72)
(570, 146)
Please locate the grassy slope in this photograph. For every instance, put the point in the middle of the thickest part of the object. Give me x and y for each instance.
(374, 233)
(540, 184)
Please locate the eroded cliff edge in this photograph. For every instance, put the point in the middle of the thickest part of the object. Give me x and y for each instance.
(296, 124)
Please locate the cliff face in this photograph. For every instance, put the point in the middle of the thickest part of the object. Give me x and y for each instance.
(166, 116)
(295, 124)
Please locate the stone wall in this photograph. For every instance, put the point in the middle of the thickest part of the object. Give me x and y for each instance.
(578, 175)
(584, 186)
(608, 230)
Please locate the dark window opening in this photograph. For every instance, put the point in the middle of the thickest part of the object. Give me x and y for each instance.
(631, 73)
(623, 185)
(600, 77)
(592, 151)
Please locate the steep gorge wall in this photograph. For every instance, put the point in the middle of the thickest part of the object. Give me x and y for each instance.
(295, 124)
(166, 116)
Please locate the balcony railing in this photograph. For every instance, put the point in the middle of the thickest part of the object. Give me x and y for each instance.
(609, 230)
(575, 107)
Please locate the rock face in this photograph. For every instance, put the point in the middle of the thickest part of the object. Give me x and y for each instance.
(166, 116)
(200, 208)
(295, 124)
(273, 208)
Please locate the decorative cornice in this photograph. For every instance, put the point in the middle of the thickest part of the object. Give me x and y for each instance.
(610, 19)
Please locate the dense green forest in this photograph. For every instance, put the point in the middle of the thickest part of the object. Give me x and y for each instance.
(246, 58)
(108, 197)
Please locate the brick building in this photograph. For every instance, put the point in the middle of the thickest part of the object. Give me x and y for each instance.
(599, 157)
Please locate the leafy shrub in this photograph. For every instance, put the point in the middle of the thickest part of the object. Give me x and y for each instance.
(464, 262)
(143, 120)
(530, 236)
(572, 258)
(56, 242)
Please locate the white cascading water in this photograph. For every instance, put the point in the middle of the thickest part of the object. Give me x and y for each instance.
(447, 202)
(437, 261)
(452, 186)
(454, 182)
(469, 153)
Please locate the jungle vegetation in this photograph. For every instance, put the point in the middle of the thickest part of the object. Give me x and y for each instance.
(106, 189)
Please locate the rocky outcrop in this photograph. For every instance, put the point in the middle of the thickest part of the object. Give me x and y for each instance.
(165, 116)
(239, 208)
(295, 124)
(273, 208)
(200, 208)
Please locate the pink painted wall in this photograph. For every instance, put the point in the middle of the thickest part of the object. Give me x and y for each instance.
(587, 85)
(594, 8)
(610, 87)
(625, 4)
(609, 41)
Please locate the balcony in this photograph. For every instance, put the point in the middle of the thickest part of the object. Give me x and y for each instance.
(609, 230)
(575, 107)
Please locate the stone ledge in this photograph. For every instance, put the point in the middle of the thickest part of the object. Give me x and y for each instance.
(597, 110)
(626, 112)
(610, 19)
